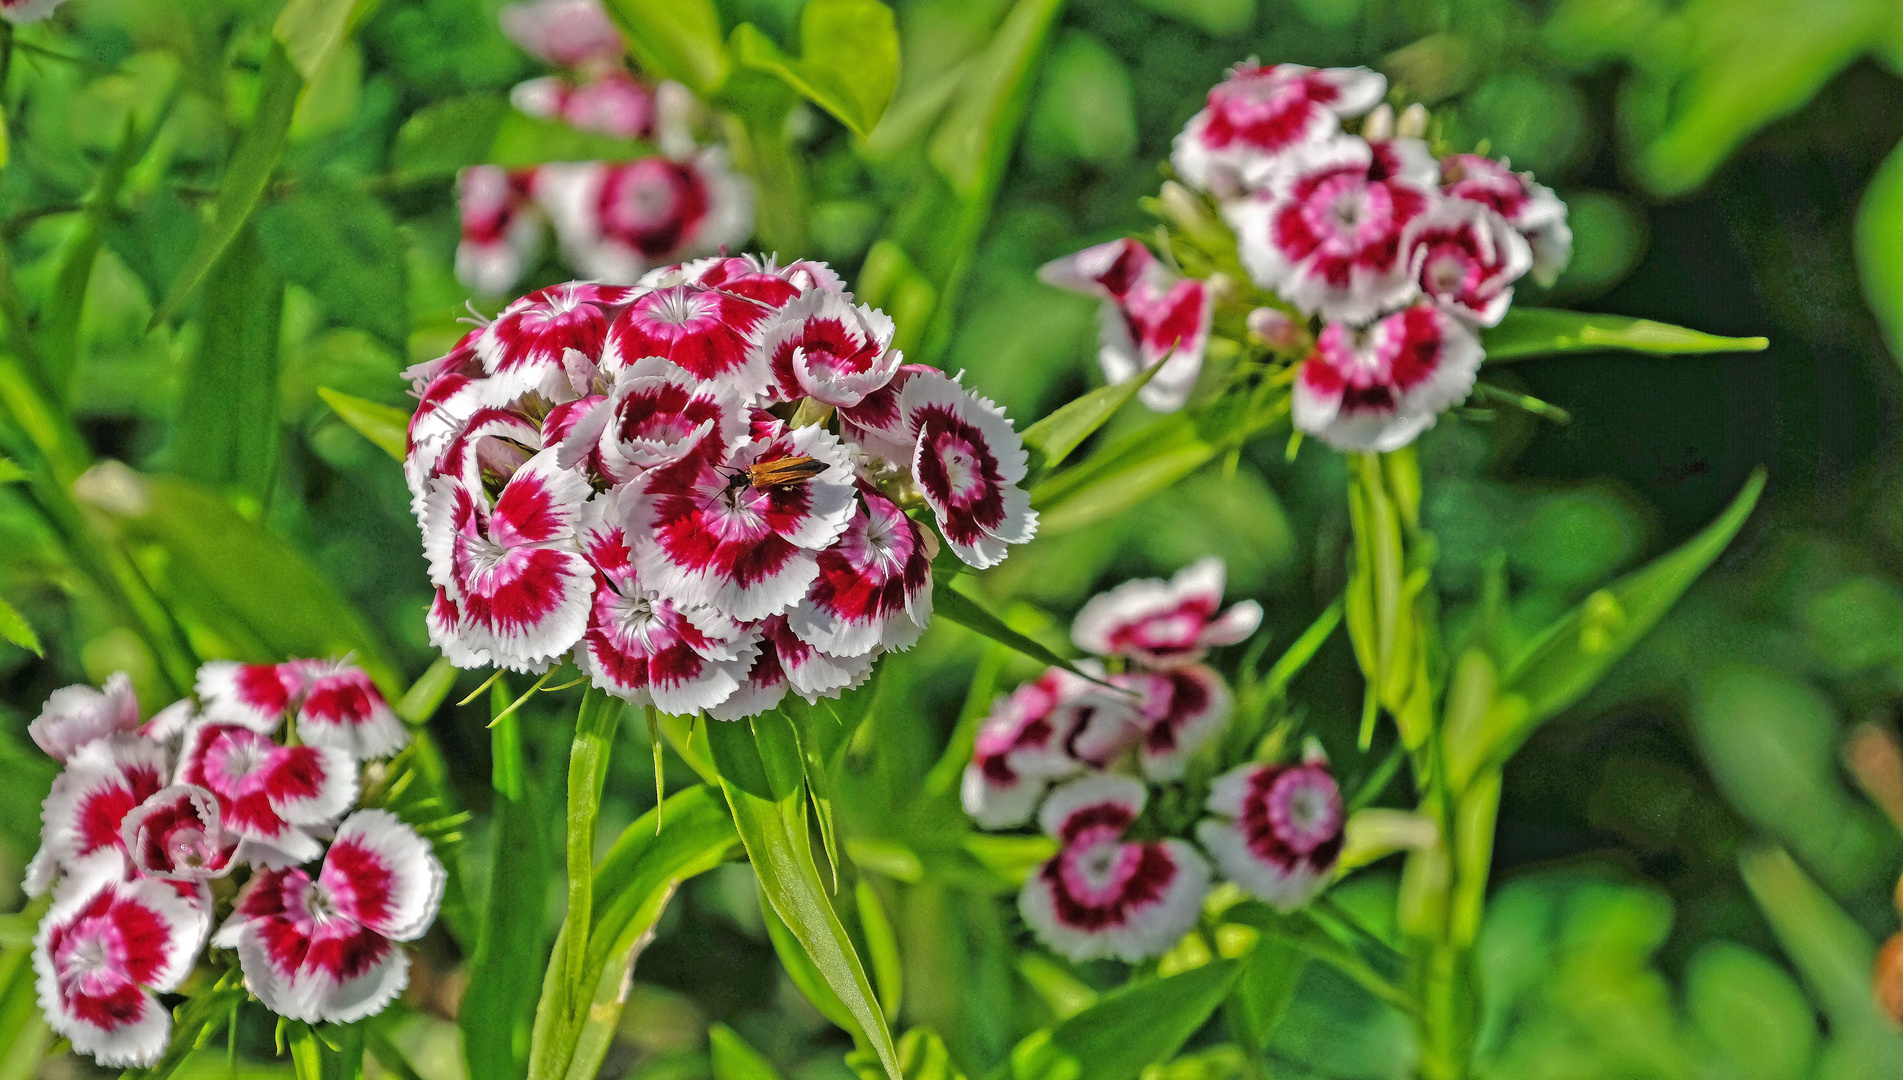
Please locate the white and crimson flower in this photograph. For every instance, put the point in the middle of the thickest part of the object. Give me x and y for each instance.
(1041, 732)
(524, 349)
(343, 709)
(502, 228)
(874, 588)
(104, 951)
(324, 949)
(704, 534)
(273, 798)
(1531, 208)
(83, 815)
(1379, 388)
(612, 103)
(1104, 896)
(618, 220)
(1150, 316)
(968, 465)
(1165, 624)
(819, 345)
(1181, 709)
(1469, 258)
(657, 414)
(1261, 112)
(26, 11)
(511, 571)
(787, 663)
(77, 715)
(566, 33)
(177, 835)
(1280, 830)
(1329, 230)
(705, 332)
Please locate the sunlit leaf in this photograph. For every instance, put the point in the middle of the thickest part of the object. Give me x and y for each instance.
(733, 1059)
(10, 473)
(14, 628)
(948, 603)
(921, 1053)
(1879, 256)
(1128, 1029)
(1052, 439)
(1262, 991)
(385, 425)
(882, 947)
(228, 432)
(1531, 331)
(675, 39)
(764, 777)
(848, 62)
(311, 31)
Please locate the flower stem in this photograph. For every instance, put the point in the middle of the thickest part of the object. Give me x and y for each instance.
(587, 771)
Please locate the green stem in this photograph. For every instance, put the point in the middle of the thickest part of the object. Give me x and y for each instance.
(587, 771)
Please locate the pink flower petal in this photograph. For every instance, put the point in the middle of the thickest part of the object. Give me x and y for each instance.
(874, 587)
(77, 715)
(820, 346)
(1182, 709)
(251, 695)
(176, 834)
(383, 875)
(346, 711)
(1379, 388)
(1260, 113)
(1162, 624)
(102, 783)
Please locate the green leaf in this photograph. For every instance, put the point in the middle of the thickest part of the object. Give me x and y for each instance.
(1879, 257)
(10, 472)
(24, 1037)
(1569, 657)
(246, 175)
(675, 39)
(882, 943)
(1136, 1026)
(498, 1006)
(801, 970)
(1531, 331)
(14, 628)
(764, 778)
(311, 32)
(228, 432)
(240, 590)
(733, 1059)
(343, 246)
(426, 694)
(976, 138)
(922, 1054)
(446, 137)
(59, 323)
(385, 425)
(1051, 440)
(1262, 992)
(848, 62)
(334, 1052)
(595, 725)
(949, 603)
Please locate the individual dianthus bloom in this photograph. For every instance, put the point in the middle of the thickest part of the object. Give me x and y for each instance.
(1328, 230)
(1181, 708)
(706, 332)
(104, 952)
(1280, 830)
(1103, 896)
(656, 414)
(177, 835)
(1041, 732)
(617, 220)
(325, 950)
(968, 466)
(612, 103)
(342, 708)
(1469, 258)
(874, 587)
(77, 715)
(1531, 208)
(566, 33)
(502, 227)
(1261, 112)
(819, 345)
(1165, 624)
(275, 799)
(1150, 316)
(82, 817)
(525, 348)
(1379, 388)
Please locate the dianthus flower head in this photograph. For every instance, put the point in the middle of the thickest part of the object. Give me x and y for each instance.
(1261, 112)
(1046, 730)
(1165, 623)
(1150, 316)
(1279, 830)
(1530, 207)
(568, 33)
(1380, 387)
(615, 221)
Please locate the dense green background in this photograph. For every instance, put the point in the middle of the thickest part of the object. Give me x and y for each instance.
(1715, 155)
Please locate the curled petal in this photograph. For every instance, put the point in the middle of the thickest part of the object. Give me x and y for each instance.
(77, 715)
(267, 793)
(102, 783)
(1162, 623)
(658, 414)
(641, 647)
(177, 834)
(820, 346)
(1529, 207)
(1469, 258)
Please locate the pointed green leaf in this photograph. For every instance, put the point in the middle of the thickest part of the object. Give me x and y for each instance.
(246, 176)
(229, 431)
(385, 425)
(1262, 992)
(1126, 1030)
(1879, 257)
(1569, 657)
(14, 628)
(675, 39)
(799, 968)
(733, 1059)
(59, 323)
(1530, 331)
(764, 778)
(1051, 440)
(311, 31)
(921, 1052)
(848, 62)
(949, 603)
(882, 943)
(10, 473)
(975, 140)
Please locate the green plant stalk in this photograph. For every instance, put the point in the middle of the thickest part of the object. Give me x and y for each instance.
(595, 727)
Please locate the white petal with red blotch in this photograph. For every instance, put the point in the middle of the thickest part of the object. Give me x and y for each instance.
(501, 230)
(877, 425)
(382, 874)
(811, 673)
(706, 538)
(704, 332)
(1055, 726)
(1379, 388)
(762, 687)
(567, 33)
(1099, 801)
(461, 359)
(755, 277)
(1159, 320)
(967, 466)
(102, 783)
(101, 952)
(522, 348)
(1282, 834)
(77, 715)
(170, 722)
(345, 710)
(643, 648)
(268, 794)
(303, 958)
(1259, 113)
(1165, 623)
(1108, 271)
(491, 446)
(820, 345)
(445, 406)
(1468, 258)
(1529, 207)
(451, 635)
(659, 414)
(177, 834)
(250, 695)
(1328, 232)
(1183, 708)
(874, 587)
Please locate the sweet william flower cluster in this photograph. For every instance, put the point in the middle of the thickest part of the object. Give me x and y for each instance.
(1380, 260)
(697, 488)
(150, 820)
(1080, 757)
(612, 221)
